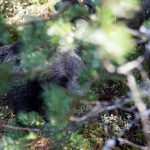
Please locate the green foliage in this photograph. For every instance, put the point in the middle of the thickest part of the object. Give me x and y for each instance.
(147, 24)
(4, 38)
(8, 144)
(75, 11)
(92, 66)
(103, 40)
(4, 76)
(77, 142)
(59, 103)
(64, 38)
(31, 118)
(32, 60)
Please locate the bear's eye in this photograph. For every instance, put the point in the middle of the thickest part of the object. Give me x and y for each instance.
(63, 81)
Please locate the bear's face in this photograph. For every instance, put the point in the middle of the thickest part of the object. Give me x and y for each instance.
(64, 70)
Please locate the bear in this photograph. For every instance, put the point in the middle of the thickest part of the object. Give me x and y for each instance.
(26, 96)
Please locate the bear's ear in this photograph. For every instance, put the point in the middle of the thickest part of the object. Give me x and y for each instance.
(15, 46)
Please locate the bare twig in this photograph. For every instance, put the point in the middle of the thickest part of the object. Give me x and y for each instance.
(125, 69)
(20, 128)
(124, 141)
(143, 73)
(140, 106)
(99, 109)
(110, 143)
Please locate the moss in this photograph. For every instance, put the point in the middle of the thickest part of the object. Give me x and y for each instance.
(94, 133)
(77, 142)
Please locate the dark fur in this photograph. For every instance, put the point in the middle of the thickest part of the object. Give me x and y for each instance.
(26, 96)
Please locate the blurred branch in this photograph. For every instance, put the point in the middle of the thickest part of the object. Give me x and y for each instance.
(124, 141)
(20, 128)
(110, 143)
(125, 69)
(99, 109)
(140, 105)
